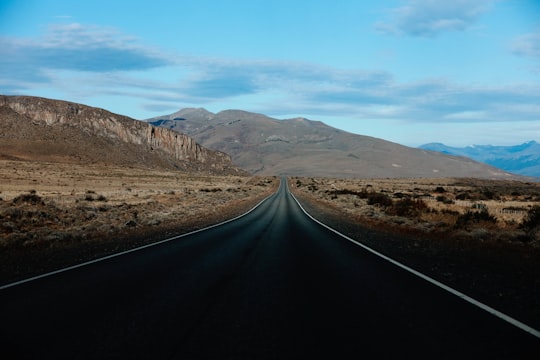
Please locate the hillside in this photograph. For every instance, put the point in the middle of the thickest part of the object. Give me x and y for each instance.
(301, 147)
(33, 128)
(521, 159)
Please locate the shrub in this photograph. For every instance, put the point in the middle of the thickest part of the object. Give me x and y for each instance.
(489, 195)
(361, 194)
(532, 219)
(407, 207)
(210, 190)
(31, 198)
(444, 199)
(474, 217)
(379, 199)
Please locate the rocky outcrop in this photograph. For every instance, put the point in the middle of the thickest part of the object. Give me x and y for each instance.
(178, 147)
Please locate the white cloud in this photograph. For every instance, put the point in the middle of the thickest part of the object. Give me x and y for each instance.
(527, 45)
(75, 47)
(428, 18)
(92, 61)
(468, 115)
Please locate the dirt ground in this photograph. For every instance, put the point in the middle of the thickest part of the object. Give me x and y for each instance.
(466, 233)
(56, 214)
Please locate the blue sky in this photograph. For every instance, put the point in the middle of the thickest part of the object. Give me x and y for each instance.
(460, 72)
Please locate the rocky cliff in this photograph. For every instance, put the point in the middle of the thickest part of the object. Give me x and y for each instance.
(72, 122)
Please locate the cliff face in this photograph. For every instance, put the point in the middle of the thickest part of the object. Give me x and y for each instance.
(178, 148)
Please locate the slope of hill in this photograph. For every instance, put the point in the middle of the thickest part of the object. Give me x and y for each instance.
(33, 128)
(301, 147)
(521, 159)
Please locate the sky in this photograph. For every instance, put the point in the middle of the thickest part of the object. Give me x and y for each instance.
(460, 72)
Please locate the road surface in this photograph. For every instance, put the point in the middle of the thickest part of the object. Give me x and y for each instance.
(272, 284)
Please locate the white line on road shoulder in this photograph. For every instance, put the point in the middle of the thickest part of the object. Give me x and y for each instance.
(455, 292)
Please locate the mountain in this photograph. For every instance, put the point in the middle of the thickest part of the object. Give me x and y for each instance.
(33, 128)
(521, 159)
(302, 147)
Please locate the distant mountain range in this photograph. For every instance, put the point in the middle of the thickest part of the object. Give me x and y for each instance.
(40, 129)
(521, 159)
(302, 147)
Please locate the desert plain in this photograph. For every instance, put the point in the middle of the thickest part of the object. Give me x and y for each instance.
(59, 214)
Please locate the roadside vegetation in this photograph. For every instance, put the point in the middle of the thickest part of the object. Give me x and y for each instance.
(53, 214)
(466, 208)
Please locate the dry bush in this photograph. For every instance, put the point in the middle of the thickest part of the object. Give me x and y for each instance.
(532, 220)
(31, 198)
(407, 207)
(474, 217)
(379, 199)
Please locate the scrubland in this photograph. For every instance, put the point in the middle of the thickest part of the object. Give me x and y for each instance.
(56, 214)
(506, 211)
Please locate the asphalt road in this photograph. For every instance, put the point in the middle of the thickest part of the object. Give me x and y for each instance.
(270, 285)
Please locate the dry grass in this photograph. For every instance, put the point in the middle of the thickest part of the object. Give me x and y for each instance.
(433, 206)
(46, 208)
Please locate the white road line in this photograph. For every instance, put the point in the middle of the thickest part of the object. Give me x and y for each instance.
(455, 292)
(131, 250)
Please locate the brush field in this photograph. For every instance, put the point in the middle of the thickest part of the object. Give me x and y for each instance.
(57, 214)
(482, 210)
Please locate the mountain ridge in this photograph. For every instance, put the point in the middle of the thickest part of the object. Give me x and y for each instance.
(302, 147)
(35, 127)
(523, 159)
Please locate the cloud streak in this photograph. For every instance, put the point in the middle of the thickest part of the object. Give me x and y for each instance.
(74, 47)
(96, 61)
(527, 45)
(429, 18)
